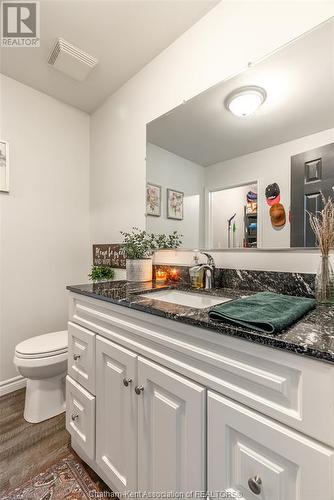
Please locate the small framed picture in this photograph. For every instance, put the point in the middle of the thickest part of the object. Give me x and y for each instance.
(174, 204)
(153, 200)
(4, 166)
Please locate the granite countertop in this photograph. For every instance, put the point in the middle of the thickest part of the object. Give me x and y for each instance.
(312, 336)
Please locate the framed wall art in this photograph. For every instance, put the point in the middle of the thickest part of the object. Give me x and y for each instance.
(153, 200)
(4, 166)
(174, 204)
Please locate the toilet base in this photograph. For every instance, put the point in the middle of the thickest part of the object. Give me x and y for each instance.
(44, 398)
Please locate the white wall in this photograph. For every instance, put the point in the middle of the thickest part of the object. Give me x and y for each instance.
(44, 220)
(302, 261)
(266, 166)
(220, 45)
(171, 171)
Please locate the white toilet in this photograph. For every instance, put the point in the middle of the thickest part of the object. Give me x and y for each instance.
(42, 361)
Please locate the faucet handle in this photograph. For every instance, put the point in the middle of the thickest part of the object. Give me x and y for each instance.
(211, 261)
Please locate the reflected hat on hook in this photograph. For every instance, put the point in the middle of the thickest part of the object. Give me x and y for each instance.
(272, 190)
(277, 215)
(273, 194)
(274, 201)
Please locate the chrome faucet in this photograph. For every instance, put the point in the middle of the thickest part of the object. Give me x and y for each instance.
(209, 271)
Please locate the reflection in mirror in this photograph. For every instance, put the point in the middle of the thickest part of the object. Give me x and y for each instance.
(172, 172)
(265, 134)
(233, 217)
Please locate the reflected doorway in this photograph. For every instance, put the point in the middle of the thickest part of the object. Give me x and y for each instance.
(233, 217)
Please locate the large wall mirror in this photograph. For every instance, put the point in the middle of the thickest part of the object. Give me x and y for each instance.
(241, 165)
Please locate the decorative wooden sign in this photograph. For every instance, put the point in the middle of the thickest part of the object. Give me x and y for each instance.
(109, 255)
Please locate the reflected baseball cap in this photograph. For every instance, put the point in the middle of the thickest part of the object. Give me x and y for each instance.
(277, 215)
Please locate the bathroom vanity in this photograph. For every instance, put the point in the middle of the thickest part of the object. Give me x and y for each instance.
(160, 398)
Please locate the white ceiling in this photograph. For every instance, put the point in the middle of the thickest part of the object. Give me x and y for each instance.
(124, 35)
(299, 80)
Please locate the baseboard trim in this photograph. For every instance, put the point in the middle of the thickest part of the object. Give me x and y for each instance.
(12, 384)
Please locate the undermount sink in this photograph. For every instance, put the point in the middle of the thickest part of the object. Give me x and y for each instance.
(196, 300)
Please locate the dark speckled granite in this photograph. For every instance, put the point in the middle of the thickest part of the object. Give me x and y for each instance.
(312, 336)
(254, 281)
(258, 281)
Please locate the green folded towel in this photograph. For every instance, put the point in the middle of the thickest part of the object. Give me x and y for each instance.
(266, 312)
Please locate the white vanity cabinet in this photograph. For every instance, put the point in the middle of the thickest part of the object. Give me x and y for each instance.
(164, 406)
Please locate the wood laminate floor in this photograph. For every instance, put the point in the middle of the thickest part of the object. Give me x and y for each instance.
(36, 460)
(26, 449)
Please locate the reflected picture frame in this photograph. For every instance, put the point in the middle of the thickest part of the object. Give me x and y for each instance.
(153, 199)
(174, 204)
(4, 166)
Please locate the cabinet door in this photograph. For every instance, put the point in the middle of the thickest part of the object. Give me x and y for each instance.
(171, 430)
(260, 458)
(116, 414)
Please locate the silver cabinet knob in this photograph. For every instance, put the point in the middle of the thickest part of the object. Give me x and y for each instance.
(255, 484)
(74, 416)
(127, 381)
(139, 389)
(76, 357)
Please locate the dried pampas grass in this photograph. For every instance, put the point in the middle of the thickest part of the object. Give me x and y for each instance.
(322, 224)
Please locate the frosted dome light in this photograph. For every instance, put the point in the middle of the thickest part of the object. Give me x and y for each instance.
(245, 100)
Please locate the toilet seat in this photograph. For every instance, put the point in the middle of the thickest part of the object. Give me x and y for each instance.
(40, 355)
(42, 346)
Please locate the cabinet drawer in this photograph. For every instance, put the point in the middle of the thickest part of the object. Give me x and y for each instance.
(80, 416)
(244, 445)
(81, 356)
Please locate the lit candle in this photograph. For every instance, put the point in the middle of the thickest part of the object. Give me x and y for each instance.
(160, 276)
(174, 275)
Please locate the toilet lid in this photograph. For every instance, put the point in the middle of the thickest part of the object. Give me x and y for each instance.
(49, 344)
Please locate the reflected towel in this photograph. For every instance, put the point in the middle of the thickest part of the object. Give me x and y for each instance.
(265, 311)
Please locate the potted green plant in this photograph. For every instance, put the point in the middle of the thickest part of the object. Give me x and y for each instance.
(139, 247)
(101, 273)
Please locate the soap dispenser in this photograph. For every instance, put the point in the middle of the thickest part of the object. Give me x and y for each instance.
(196, 273)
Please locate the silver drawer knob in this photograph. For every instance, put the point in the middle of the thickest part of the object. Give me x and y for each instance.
(76, 357)
(139, 389)
(74, 416)
(127, 381)
(255, 484)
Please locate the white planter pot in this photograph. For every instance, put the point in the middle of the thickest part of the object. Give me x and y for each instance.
(139, 270)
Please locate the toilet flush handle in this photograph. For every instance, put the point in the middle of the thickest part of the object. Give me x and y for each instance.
(76, 357)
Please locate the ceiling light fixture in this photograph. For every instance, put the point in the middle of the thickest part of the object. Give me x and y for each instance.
(245, 100)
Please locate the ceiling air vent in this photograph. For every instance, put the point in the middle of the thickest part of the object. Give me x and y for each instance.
(70, 60)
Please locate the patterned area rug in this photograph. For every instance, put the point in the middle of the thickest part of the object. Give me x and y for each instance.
(66, 479)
